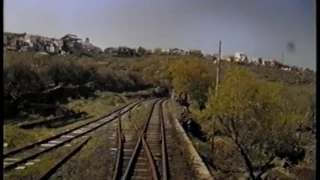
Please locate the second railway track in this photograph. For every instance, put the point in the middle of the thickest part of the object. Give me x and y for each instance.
(143, 153)
(28, 154)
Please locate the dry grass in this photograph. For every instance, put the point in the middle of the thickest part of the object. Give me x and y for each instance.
(99, 106)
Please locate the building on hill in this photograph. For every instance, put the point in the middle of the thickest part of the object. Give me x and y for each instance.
(111, 50)
(157, 51)
(209, 56)
(176, 51)
(15, 34)
(13, 40)
(121, 51)
(240, 57)
(195, 52)
(149, 52)
(70, 37)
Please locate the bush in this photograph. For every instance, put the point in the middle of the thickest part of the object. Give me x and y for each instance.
(259, 117)
(21, 76)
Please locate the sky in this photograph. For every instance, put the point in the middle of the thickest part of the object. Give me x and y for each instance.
(258, 28)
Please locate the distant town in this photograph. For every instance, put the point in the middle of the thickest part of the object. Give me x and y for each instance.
(72, 44)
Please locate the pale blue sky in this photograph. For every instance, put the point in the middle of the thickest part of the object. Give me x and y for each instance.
(256, 27)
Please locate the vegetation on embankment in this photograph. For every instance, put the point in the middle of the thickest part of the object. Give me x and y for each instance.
(24, 72)
(265, 112)
(256, 123)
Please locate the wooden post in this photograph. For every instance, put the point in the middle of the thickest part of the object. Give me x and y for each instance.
(282, 57)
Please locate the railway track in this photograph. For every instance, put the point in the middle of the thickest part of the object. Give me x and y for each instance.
(143, 154)
(27, 155)
(53, 169)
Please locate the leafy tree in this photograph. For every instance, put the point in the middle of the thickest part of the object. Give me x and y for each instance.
(191, 77)
(19, 79)
(256, 116)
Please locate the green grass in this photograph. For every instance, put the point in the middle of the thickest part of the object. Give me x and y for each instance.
(106, 103)
(47, 161)
(16, 137)
(140, 114)
(94, 143)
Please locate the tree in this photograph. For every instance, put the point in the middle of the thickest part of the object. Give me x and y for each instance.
(256, 116)
(191, 78)
(142, 50)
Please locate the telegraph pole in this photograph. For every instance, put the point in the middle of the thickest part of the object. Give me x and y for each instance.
(216, 94)
(218, 70)
(282, 57)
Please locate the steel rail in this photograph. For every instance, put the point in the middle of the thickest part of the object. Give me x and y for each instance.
(138, 145)
(163, 145)
(11, 166)
(118, 167)
(11, 153)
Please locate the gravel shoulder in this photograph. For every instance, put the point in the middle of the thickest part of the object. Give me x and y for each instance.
(179, 164)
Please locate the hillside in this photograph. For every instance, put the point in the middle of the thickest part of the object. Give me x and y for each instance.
(262, 101)
(25, 72)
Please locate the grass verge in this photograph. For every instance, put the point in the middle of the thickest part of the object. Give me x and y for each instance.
(47, 161)
(16, 137)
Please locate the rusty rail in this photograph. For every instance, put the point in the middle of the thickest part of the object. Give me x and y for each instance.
(163, 144)
(34, 155)
(117, 174)
(141, 140)
(11, 153)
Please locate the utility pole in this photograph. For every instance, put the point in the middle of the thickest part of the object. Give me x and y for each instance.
(218, 70)
(282, 57)
(216, 94)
